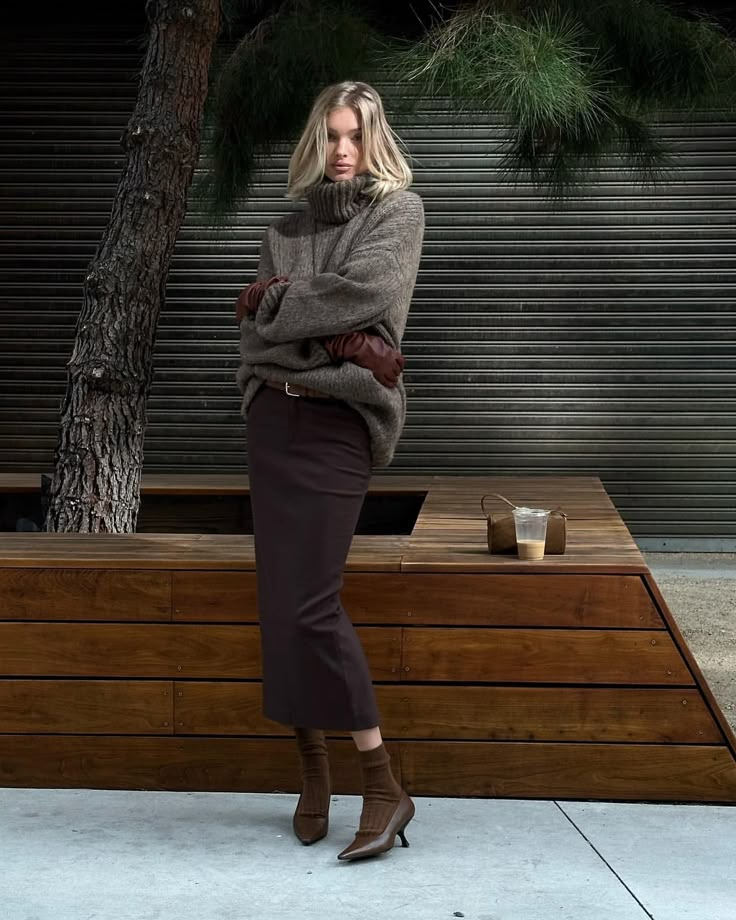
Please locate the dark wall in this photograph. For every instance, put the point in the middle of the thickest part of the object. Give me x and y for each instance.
(596, 338)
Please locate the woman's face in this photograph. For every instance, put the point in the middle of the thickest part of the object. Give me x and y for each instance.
(344, 145)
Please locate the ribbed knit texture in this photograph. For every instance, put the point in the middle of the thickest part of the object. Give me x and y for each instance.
(315, 771)
(336, 202)
(352, 265)
(381, 792)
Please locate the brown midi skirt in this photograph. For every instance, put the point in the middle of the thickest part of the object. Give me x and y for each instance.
(309, 465)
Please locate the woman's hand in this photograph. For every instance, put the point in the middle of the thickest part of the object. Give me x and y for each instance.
(368, 351)
(251, 296)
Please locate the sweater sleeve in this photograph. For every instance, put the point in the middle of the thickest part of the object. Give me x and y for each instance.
(266, 269)
(380, 267)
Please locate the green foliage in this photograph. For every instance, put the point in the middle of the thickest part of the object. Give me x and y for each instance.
(266, 87)
(576, 79)
(662, 60)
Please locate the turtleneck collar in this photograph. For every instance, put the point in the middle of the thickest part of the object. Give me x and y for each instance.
(336, 202)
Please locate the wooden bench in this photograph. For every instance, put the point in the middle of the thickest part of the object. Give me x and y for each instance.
(133, 661)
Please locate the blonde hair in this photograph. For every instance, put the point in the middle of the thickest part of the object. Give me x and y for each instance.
(383, 160)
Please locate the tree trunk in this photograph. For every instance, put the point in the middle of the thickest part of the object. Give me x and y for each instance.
(99, 455)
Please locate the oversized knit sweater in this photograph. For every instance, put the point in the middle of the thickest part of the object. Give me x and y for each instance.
(352, 265)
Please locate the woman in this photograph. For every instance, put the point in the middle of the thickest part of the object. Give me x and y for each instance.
(324, 402)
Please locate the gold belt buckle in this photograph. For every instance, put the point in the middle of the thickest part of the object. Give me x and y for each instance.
(286, 385)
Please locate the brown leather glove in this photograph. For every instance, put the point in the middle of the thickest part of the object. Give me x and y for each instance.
(369, 351)
(251, 296)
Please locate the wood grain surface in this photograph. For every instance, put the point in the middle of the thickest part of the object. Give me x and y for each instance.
(157, 650)
(431, 599)
(570, 656)
(129, 707)
(184, 764)
(647, 772)
(133, 660)
(639, 772)
(84, 594)
(475, 713)
(500, 600)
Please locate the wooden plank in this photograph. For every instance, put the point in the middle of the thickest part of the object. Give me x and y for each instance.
(153, 650)
(222, 708)
(87, 706)
(239, 483)
(589, 562)
(20, 482)
(697, 773)
(475, 713)
(473, 600)
(84, 594)
(126, 551)
(177, 764)
(215, 483)
(376, 554)
(548, 714)
(234, 708)
(195, 484)
(427, 598)
(584, 656)
(650, 772)
(500, 600)
(172, 551)
(214, 596)
(112, 650)
(461, 498)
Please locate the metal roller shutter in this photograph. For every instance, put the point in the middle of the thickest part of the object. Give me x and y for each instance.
(592, 338)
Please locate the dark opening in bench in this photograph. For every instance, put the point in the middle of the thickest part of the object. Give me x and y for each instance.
(391, 513)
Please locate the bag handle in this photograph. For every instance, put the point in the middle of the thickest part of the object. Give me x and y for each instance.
(557, 510)
(495, 495)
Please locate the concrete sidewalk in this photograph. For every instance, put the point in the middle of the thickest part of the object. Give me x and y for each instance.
(93, 855)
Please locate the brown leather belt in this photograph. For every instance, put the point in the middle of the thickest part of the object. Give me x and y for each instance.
(293, 389)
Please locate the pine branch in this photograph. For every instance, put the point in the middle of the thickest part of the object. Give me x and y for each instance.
(266, 88)
(576, 80)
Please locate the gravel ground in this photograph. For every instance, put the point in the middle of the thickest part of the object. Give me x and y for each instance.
(700, 590)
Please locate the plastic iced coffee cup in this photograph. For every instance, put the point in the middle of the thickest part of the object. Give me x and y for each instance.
(531, 532)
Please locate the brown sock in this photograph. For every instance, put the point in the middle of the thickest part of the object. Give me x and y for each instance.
(315, 799)
(381, 792)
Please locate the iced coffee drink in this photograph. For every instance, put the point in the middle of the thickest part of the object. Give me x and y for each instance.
(530, 549)
(531, 532)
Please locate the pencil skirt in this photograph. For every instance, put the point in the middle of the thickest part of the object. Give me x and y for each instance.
(309, 465)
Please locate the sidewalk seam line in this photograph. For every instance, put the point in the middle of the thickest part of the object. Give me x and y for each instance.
(604, 860)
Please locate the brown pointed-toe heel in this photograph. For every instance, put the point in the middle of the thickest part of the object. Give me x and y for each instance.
(309, 828)
(372, 845)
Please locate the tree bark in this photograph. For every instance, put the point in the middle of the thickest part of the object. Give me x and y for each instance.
(99, 454)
